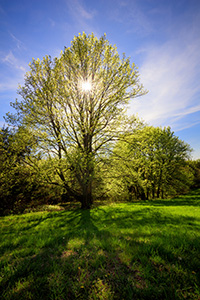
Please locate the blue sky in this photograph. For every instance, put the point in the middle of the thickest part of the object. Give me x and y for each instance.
(162, 37)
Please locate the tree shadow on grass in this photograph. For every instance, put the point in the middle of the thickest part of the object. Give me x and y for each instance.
(81, 258)
(191, 199)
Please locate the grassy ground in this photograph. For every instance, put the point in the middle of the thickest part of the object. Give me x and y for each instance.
(146, 250)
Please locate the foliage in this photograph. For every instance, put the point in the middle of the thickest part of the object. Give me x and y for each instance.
(144, 250)
(73, 124)
(195, 166)
(153, 163)
(12, 175)
(74, 141)
(20, 184)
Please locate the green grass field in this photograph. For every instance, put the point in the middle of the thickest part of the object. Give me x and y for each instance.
(143, 250)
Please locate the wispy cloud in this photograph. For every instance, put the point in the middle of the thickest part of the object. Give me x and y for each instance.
(189, 111)
(52, 22)
(2, 10)
(12, 71)
(79, 11)
(130, 14)
(19, 44)
(83, 16)
(11, 60)
(171, 73)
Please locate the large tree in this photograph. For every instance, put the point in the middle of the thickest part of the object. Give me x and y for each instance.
(74, 105)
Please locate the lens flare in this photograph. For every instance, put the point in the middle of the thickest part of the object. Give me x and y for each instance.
(86, 86)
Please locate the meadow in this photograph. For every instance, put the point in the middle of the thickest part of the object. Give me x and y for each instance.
(141, 250)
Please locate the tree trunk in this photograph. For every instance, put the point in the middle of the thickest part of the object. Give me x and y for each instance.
(153, 191)
(147, 198)
(86, 199)
(160, 180)
(143, 196)
(158, 192)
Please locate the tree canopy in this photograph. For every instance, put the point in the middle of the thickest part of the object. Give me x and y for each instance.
(74, 106)
(152, 162)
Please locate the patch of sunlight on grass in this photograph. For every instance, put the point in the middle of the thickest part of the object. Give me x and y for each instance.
(100, 290)
(75, 243)
(44, 208)
(100, 252)
(22, 285)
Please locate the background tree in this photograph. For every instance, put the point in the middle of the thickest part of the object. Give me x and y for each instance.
(21, 185)
(195, 166)
(74, 105)
(153, 163)
(13, 174)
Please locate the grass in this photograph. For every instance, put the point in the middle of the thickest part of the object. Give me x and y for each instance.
(143, 250)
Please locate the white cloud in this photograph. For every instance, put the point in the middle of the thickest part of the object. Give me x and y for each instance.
(18, 43)
(136, 16)
(79, 11)
(171, 74)
(190, 110)
(82, 16)
(12, 71)
(11, 60)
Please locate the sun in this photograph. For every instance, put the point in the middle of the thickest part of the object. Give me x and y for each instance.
(86, 86)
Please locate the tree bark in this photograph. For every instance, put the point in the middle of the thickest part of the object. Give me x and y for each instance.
(86, 199)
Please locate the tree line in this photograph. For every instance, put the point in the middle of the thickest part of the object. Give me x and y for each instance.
(151, 163)
(71, 139)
